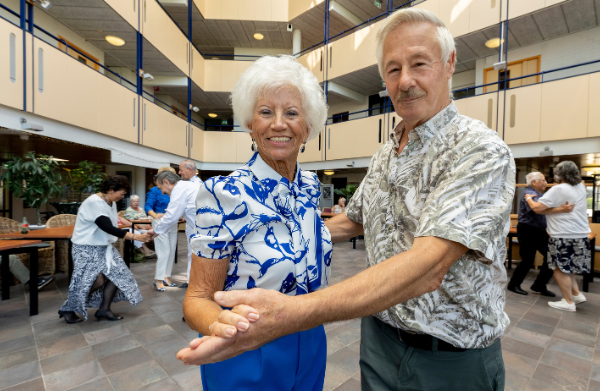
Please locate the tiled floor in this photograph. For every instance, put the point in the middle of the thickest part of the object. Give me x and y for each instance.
(544, 349)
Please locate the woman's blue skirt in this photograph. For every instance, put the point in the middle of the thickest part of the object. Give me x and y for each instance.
(295, 362)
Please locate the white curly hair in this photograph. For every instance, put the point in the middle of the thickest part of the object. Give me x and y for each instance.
(270, 73)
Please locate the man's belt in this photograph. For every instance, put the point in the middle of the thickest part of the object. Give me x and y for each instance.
(423, 341)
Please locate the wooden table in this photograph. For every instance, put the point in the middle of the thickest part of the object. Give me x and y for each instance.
(9, 247)
(587, 278)
(48, 234)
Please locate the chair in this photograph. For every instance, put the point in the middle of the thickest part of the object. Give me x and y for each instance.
(45, 256)
(62, 247)
(326, 210)
(120, 244)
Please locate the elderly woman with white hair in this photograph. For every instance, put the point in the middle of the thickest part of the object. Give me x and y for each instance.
(569, 248)
(260, 227)
(134, 212)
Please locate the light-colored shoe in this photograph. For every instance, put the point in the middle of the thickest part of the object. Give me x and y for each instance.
(562, 305)
(580, 298)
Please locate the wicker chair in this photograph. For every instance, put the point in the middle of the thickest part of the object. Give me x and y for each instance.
(45, 256)
(62, 247)
(120, 244)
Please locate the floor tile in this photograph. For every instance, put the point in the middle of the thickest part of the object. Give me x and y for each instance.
(165, 354)
(115, 346)
(334, 377)
(594, 385)
(155, 334)
(15, 332)
(137, 376)
(115, 331)
(349, 385)
(573, 336)
(19, 374)
(50, 349)
(165, 384)
(517, 364)
(32, 385)
(123, 360)
(574, 349)
(17, 344)
(529, 336)
(19, 357)
(522, 348)
(68, 360)
(74, 376)
(548, 377)
(536, 327)
(346, 359)
(189, 380)
(100, 384)
(567, 362)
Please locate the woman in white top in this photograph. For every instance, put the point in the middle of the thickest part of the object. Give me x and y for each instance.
(340, 207)
(569, 249)
(100, 276)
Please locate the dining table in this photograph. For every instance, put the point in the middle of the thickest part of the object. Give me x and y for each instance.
(15, 246)
(587, 278)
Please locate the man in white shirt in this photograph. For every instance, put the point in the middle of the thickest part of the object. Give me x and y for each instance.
(183, 202)
(188, 171)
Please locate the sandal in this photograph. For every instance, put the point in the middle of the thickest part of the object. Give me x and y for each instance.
(70, 316)
(157, 288)
(171, 284)
(107, 314)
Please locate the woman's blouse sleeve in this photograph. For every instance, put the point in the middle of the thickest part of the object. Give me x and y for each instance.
(222, 218)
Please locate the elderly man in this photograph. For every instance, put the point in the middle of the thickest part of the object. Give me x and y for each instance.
(532, 235)
(183, 202)
(188, 171)
(435, 211)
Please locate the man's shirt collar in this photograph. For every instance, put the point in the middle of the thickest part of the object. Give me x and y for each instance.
(426, 131)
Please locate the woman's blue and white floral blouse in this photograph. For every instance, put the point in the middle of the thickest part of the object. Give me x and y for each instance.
(267, 226)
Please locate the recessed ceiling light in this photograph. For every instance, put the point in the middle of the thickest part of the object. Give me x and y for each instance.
(328, 172)
(258, 36)
(494, 43)
(115, 40)
(212, 115)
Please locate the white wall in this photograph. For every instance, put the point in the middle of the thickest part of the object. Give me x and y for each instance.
(350, 107)
(572, 49)
(258, 52)
(463, 80)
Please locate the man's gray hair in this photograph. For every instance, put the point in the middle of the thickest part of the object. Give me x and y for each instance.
(567, 172)
(134, 197)
(269, 74)
(532, 176)
(408, 15)
(171, 177)
(190, 165)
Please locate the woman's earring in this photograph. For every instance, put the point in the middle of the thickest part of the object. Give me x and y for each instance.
(303, 147)
(253, 146)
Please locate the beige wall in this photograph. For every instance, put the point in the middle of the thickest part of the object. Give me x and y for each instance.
(263, 10)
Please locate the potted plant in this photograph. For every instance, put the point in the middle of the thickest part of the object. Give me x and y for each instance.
(347, 192)
(84, 180)
(34, 179)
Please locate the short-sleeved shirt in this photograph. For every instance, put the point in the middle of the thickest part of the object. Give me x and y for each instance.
(131, 214)
(573, 225)
(86, 232)
(268, 227)
(156, 201)
(454, 180)
(527, 215)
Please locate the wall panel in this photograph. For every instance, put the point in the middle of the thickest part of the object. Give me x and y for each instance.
(483, 13)
(176, 135)
(483, 108)
(315, 62)
(564, 118)
(149, 123)
(315, 150)
(357, 138)
(228, 147)
(129, 115)
(456, 16)
(11, 67)
(243, 147)
(522, 7)
(128, 9)
(523, 115)
(197, 143)
(594, 106)
(212, 146)
(353, 52)
(50, 79)
(110, 113)
(198, 68)
(212, 75)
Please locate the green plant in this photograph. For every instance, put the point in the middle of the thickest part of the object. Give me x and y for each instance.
(34, 179)
(347, 192)
(87, 175)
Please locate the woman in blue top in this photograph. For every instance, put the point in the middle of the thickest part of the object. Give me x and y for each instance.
(259, 227)
(165, 244)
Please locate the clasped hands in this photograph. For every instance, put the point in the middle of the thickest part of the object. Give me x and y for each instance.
(268, 316)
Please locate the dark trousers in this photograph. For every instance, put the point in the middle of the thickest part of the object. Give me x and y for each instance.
(531, 239)
(388, 364)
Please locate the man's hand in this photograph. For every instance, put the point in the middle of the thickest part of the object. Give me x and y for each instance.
(565, 208)
(278, 315)
(152, 234)
(145, 238)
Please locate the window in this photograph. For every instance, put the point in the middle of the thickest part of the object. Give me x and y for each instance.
(515, 69)
(79, 54)
(376, 104)
(341, 117)
(178, 112)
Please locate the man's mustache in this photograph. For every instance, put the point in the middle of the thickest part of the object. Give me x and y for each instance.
(411, 93)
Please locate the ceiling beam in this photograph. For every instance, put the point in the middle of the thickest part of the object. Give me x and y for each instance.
(347, 92)
(342, 11)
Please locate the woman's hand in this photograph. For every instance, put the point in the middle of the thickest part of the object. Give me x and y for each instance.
(230, 322)
(565, 208)
(145, 238)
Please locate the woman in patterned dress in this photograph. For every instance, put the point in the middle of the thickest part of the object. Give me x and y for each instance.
(260, 227)
(569, 249)
(134, 212)
(100, 277)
